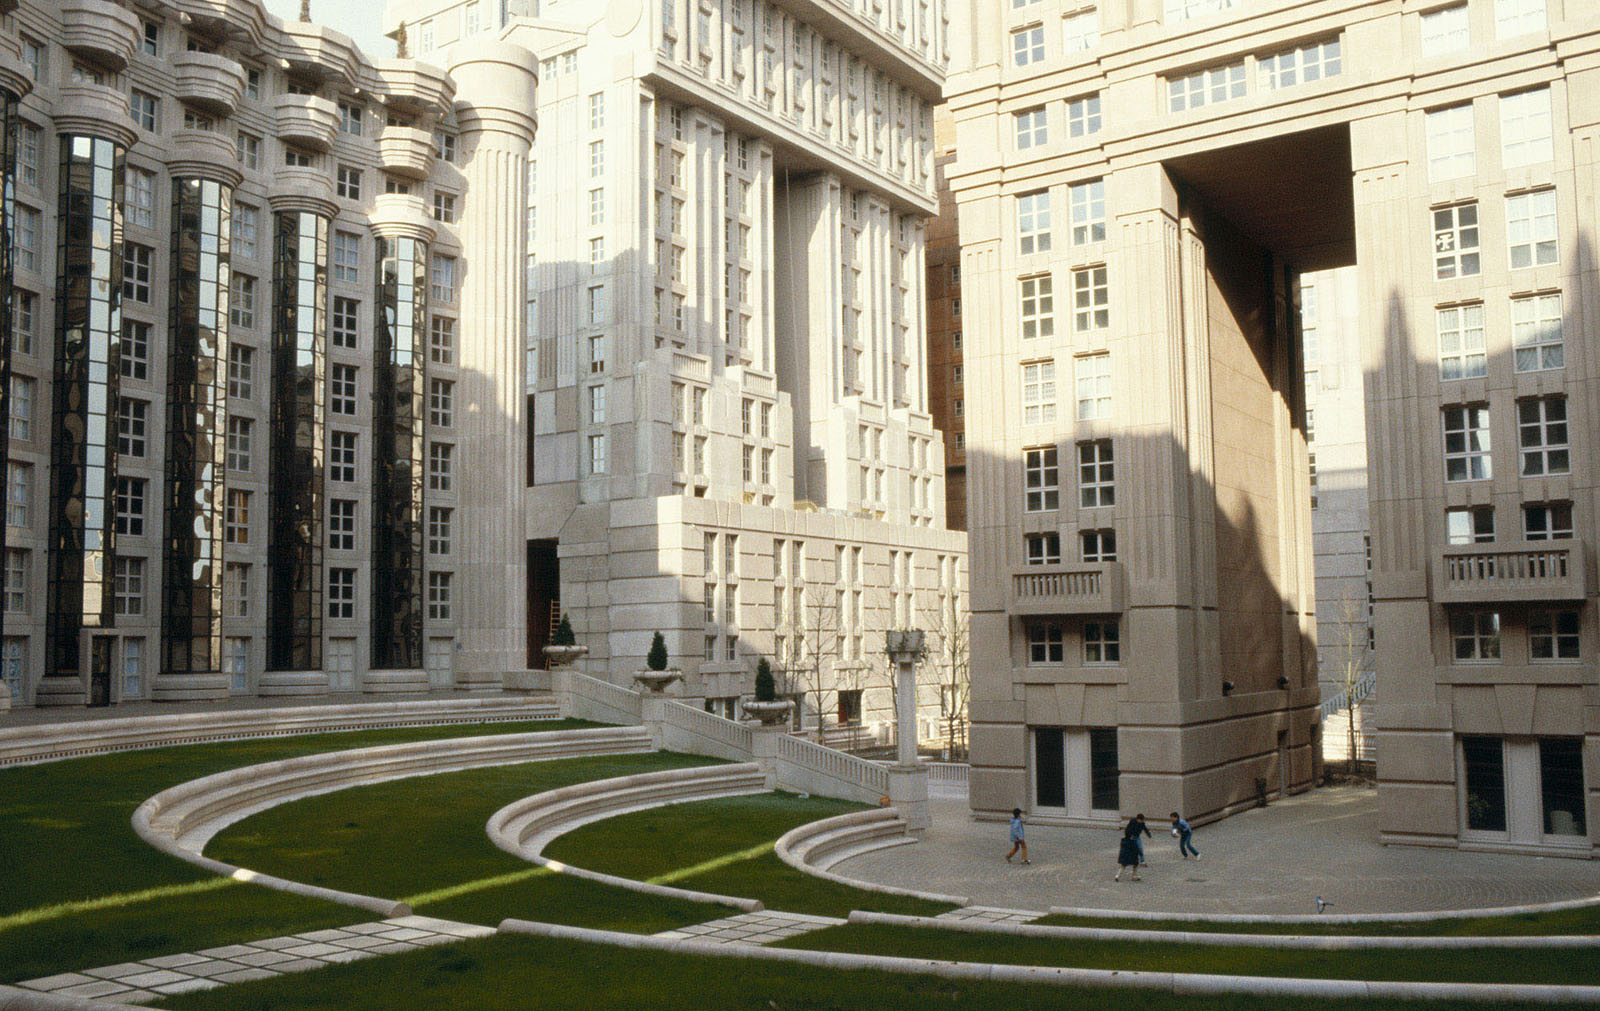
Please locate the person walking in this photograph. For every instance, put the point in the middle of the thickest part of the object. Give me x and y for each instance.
(1130, 853)
(1017, 842)
(1181, 829)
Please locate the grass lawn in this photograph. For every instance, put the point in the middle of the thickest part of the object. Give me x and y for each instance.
(422, 840)
(1479, 965)
(67, 841)
(511, 973)
(1564, 921)
(726, 845)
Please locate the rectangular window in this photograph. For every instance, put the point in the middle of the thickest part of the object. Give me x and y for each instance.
(1091, 299)
(342, 389)
(1041, 479)
(1469, 525)
(16, 581)
(247, 147)
(1561, 785)
(146, 109)
(132, 426)
(1484, 758)
(238, 442)
(1102, 641)
(242, 301)
(19, 493)
(1553, 635)
(1536, 332)
(28, 153)
(1033, 223)
(1461, 342)
(1031, 128)
(1038, 307)
(1088, 212)
(137, 263)
(1455, 241)
(343, 329)
(341, 593)
(1043, 549)
(342, 456)
(439, 596)
(1083, 116)
(1531, 228)
(350, 118)
(439, 520)
(20, 424)
(1039, 393)
(133, 357)
(597, 207)
(441, 456)
(1096, 474)
(1466, 443)
(1518, 17)
(444, 207)
(1080, 31)
(1542, 436)
(236, 517)
(442, 279)
(1304, 64)
(252, 84)
(1098, 545)
(1445, 31)
(1027, 45)
(1094, 387)
(26, 239)
(1451, 144)
(1045, 644)
(1526, 136)
(1206, 87)
(442, 340)
(1475, 635)
(444, 146)
(342, 524)
(139, 200)
(131, 495)
(346, 257)
(441, 403)
(236, 591)
(24, 320)
(127, 586)
(245, 225)
(1547, 521)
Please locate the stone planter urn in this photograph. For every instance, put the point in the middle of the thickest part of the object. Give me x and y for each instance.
(770, 714)
(656, 681)
(564, 656)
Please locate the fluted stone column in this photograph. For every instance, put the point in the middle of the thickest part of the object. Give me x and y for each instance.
(495, 88)
(197, 425)
(83, 452)
(14, 84)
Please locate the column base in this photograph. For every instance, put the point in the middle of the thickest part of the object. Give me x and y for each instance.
(908, 794)
(207, 687)
(395, 682)
(764, 751)
(60, 691)
(278, 683)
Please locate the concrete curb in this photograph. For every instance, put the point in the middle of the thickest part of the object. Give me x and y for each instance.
(524, 827)
(182, 819)
(15, 999)
(795, 845)
(1179, 984)
(1417, 917)
(1292, 942)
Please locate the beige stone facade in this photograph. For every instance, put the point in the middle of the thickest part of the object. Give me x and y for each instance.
(1445, 152)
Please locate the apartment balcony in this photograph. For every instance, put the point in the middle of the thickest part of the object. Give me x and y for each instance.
(395, 215)
(1522, 570)
(94, 110)
(307, 121)
(100, 32)
(302, 189)
(203, 154)
(406, 151)
(210, 83)
(414, 88)
(1091, 588)
(318, 53)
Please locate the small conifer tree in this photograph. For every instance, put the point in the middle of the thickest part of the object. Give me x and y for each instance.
(563, 634)
(766, 689)
(656, 659)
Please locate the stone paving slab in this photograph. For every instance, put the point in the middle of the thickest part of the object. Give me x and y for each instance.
(752, 928)
(1274, 860)
(989, 914)
(140, 982)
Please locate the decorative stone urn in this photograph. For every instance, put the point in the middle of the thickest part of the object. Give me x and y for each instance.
(770, 714)
(564, 656)
(656, 681)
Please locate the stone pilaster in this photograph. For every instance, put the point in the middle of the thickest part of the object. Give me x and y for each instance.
(495, 91)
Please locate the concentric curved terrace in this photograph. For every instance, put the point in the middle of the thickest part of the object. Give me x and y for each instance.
(633, 852)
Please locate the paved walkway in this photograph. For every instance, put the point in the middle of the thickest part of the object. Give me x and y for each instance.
(1273, 860)
(154, 978)
(753, 928)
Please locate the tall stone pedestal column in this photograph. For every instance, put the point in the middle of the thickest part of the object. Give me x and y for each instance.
(495, 102)
(908, 778)
(764, 751)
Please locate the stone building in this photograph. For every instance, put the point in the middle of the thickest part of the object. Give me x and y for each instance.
(257, 347)
(947, 388)
(1176, 166)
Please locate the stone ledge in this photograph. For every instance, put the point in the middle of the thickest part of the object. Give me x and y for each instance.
(1417, 917)
(849, 835)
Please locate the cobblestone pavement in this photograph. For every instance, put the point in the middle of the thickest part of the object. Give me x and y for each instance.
(1275, 860)
(752, 928)
(154, 978)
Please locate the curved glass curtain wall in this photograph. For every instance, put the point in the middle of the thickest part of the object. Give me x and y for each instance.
(397, 454)
(197, 362)
(8, 198)
(294, 536)
(83, 450)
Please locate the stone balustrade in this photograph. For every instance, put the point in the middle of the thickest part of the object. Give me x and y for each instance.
(209, 82)
(100, 32)
(406, 151)
(306, 120)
